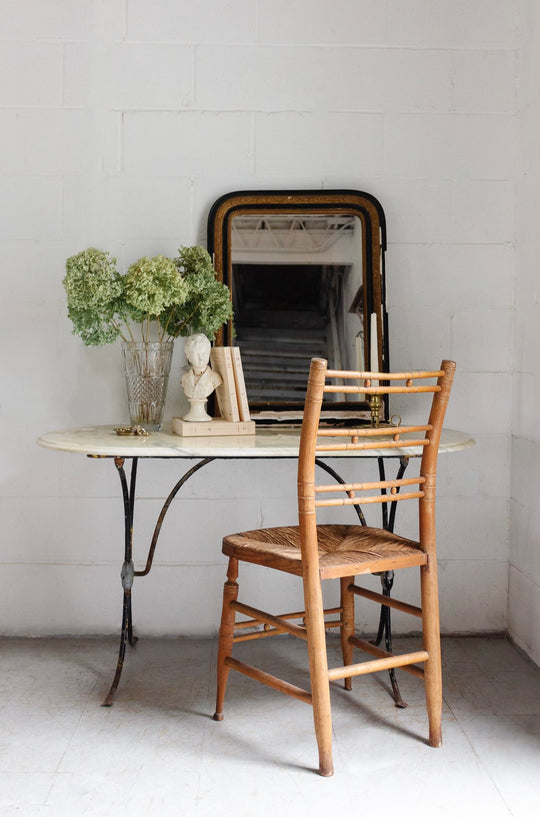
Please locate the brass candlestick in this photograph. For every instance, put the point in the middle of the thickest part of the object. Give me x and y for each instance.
(375, 404)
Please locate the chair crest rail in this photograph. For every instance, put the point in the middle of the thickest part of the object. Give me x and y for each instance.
(348, 375)
(381, 389)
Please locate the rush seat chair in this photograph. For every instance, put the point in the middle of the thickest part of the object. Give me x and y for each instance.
(317, 552)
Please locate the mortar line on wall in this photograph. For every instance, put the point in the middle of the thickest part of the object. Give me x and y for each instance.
(253, 140)
(420, 112)
(120, 142)
(62, 220)
(194, 77)
(62, 75)
(192, 206)
(367, 46)
(453, 81)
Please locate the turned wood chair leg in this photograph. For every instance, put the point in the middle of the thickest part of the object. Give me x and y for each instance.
(432, 644)
(347, 625)
(318, 670)
(226, 634)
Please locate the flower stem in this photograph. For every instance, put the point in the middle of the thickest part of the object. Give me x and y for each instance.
(130, 332)
(119, 330)
(187, 320)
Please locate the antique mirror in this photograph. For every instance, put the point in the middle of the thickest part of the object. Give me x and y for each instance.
(306, 273)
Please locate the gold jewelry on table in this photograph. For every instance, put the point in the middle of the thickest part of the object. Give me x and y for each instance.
(132, 431)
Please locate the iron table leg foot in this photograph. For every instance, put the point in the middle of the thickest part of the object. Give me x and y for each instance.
(385, 629)
(124, 638)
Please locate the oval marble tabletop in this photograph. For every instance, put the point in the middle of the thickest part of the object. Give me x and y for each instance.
(102, 441)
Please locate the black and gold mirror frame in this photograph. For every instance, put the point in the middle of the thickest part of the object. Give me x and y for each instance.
(307, 278)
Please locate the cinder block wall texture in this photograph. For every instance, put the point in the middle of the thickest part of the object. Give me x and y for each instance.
(121, 121)
(524, 584)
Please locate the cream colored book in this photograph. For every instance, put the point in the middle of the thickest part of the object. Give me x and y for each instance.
(221, 360)
(241, 394)
(218, 427)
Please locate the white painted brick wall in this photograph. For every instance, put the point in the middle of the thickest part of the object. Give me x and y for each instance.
(298, 142)
(455, 24)
(30, 73)
(186, 143)
(121, 121)
(524, 598)
(124, 76)
(361, 22)
(206, 21)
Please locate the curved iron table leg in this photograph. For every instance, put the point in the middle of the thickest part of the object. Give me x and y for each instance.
(126, 634)
(128, 571)
(387, 580)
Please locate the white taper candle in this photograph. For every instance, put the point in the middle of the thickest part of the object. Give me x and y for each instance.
(373, 345)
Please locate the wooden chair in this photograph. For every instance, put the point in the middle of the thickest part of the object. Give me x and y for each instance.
(325, 551)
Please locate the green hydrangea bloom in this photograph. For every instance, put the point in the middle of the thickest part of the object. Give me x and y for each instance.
(94, 296)
(194, 260)
(175, 296)
(208, 304)
(151, 285)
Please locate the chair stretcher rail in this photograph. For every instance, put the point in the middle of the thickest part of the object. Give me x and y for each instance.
(377, 666)
(372, 649)
(266, 618)
(269, 680)
(386, 601)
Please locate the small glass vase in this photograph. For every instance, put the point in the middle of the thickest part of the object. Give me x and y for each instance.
(147, 375)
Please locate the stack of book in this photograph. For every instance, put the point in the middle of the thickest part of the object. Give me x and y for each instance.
(231, 399)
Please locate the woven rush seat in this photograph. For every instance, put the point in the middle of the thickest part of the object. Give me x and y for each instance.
(342, 549)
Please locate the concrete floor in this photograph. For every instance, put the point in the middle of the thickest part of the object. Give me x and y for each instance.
(158, 753)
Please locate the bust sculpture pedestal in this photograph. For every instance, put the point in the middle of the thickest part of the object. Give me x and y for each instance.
(197, 411)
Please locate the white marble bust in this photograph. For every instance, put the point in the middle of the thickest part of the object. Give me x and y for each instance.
(200, 380)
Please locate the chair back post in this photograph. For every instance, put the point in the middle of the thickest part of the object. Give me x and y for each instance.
(428, 467)
(313, 601)
(306, 458)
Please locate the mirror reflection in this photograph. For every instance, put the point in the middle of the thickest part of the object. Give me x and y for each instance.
(297, 290)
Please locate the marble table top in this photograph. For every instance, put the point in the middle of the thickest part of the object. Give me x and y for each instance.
(102, 441)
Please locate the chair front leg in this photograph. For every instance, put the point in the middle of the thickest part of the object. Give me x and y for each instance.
(318, 671)
(347, 625)
(226, 635)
